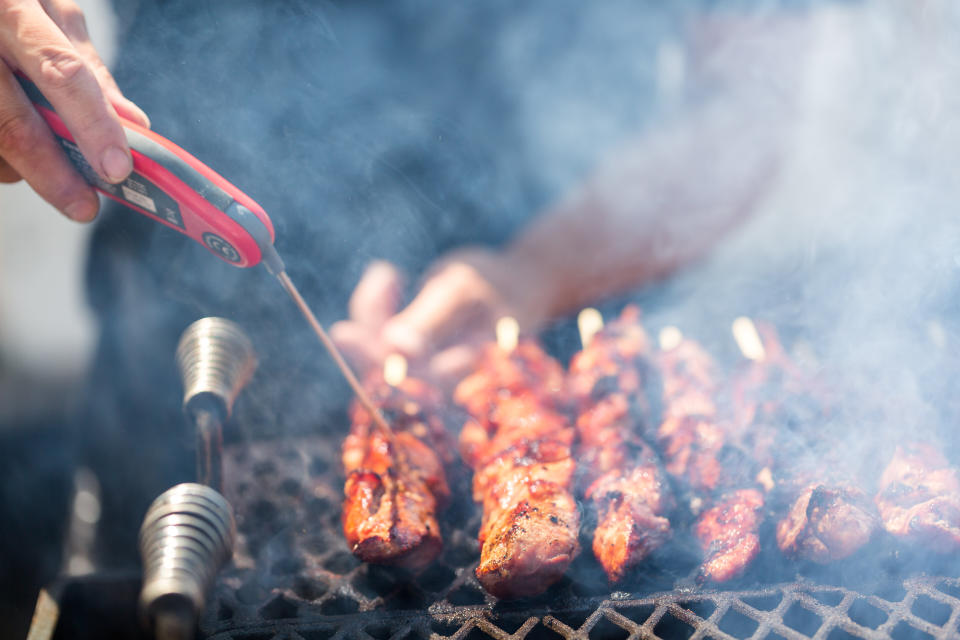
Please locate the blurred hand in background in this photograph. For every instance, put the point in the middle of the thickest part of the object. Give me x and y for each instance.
(442, 330)
(656, 204)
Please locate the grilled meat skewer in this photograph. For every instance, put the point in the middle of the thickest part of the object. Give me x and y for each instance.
(703, 451)
(828, 515)
(520, 450)
(396, 483)
(625, 485)
(530, 518)
(827, 522)
(620, 475)
(919, 497)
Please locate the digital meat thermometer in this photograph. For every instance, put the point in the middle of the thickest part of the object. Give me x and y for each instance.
(175, 189)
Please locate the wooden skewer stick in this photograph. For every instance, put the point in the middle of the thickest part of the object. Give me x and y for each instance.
(394, 369)
(751, 346)
(669, 338)
(589, 323)
(748, 339)
(508, 333)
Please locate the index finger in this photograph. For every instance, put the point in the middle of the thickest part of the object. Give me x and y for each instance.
(42, 51)
(72, 22)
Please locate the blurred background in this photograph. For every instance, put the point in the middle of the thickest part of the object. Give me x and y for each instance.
(47, 336)
(46, 330)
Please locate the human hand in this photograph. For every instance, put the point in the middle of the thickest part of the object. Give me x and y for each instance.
(47, 41)
(443, 329)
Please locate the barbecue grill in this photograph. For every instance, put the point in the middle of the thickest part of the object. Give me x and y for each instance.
(294, 577)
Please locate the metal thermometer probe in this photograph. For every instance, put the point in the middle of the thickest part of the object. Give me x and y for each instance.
(274, 264)
(175, 189)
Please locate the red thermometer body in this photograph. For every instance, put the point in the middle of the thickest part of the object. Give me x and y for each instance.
(172, 187)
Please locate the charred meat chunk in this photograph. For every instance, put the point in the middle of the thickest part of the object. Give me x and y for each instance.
(919, 497)
(728, 535)
(827, 523)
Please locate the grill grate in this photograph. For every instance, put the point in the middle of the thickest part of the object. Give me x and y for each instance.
(295, 578)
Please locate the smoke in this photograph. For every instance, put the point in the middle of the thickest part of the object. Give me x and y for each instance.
(401, 130)
(853, 251)
(393, 131)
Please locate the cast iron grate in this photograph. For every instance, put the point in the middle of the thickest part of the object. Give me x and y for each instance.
(293, 577)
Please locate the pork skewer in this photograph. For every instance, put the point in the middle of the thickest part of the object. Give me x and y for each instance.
(396, 482)
(619, 474)
(696, 444)
(702, 451)
(520, 449)
(828, 515)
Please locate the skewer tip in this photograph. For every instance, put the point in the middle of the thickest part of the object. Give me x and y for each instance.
(589, 323)
(669, 338)
(394, 369)
(508, 333)
(748, 339)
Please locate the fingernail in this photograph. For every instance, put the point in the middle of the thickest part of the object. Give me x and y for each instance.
(116, 164)
(81, 211)
(146, 118)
